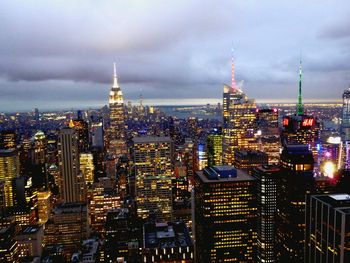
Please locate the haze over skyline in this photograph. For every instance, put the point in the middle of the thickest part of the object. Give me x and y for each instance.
(60, 54)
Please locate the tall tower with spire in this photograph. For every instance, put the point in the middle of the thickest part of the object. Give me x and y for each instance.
(239, 120)
(300, 110)
(117, 145)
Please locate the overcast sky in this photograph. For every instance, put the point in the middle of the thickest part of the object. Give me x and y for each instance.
(60, 53)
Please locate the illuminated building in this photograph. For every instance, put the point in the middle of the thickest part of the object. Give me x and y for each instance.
(295, 182)
(2, 199)
(82, 130)
(153, 173)
(224, 215)
(239, 123)
(68, 226)
(180, 183)
(214, 147)
(117, 144)
(87, 167)
(25, 201)
(167, 242)
(269, 134)
(39, 146)
(30, 241)
(247, 160)
(202, 157)
(44, 206)
(301, 128)
(8, 140)
(266, 180)
(327, 228)
(8, 245)
(118, 235)
(72, 183)
(9, 169)
(345, 121)
(102, 200)
(96, 132)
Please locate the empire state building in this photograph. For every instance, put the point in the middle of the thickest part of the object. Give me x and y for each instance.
(117, 144)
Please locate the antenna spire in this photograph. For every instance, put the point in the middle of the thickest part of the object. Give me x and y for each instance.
(233, 81)
(115, 79)
(300, 109)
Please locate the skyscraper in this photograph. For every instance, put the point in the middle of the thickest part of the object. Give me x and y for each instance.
(239, 121)
(295, 182)
(266, 193)
(214, 147)
(345, 123)
(153, 173)
(269, 133)
(224, 215)
(8, 140)
(327, 228)
(72, 185)
(301, 128)
(82, 130)
(117, 144)
(9, 169)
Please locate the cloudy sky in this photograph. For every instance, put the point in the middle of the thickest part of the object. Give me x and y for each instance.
(60, 54)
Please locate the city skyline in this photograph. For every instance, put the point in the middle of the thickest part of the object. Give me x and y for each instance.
(66, 61)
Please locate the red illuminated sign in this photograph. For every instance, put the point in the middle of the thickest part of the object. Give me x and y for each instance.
(285, 122)
(308, 122)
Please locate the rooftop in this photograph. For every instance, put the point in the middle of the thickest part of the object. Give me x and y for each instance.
(223, 173)
(150, 139)
(166, 235)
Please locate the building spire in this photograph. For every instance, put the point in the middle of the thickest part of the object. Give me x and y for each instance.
(300, 109)
(233, 81)
(115, 79)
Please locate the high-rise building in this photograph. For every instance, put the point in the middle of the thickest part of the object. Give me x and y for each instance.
(25, 201)
(97, 135)
(8, 140)
(9, 169)
(153, 173)
(87, 167)
(295, 182)
(102, 200)
(72, 183)
(68, 226)
(239, 123)
(82, 130)
(301, 128)
(214, 147)
(345, 121)
(8, 245)
(327, 228)
(224, 215)
(266, 194)
(269, 134)
(39, 147)
(119, 236)
(44, 206)
(247, 160)
(117, 144)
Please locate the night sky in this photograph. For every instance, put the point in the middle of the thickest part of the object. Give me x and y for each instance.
(60, 54)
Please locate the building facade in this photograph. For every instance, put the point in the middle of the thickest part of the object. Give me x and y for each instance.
(327, 228)
(153, 166)
(224, 215)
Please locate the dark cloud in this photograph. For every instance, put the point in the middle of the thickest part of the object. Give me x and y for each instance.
(168, 49)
